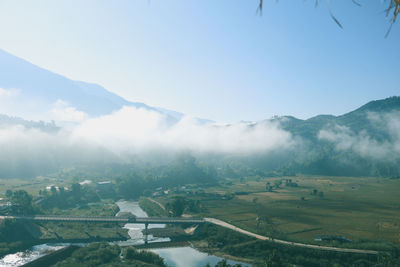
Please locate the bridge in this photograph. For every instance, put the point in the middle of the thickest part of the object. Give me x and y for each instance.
(117, 220)
(97, 219)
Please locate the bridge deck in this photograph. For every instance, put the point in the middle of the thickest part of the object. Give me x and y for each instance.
(89, 219)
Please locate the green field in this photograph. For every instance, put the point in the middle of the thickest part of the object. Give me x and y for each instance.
(31, 186)
(364, 210)
(77, 230)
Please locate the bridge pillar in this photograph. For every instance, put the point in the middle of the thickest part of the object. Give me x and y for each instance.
(116, 228)
(146, 229)
(86, 227)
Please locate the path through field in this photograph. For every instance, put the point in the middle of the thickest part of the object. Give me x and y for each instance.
(260, 237)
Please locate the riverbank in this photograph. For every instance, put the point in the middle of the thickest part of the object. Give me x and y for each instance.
(180, 238)
(53, 258)
(170, 244)
(203, 247)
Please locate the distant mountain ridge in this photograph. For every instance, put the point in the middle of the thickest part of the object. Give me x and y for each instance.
(7, 121)
(363, 142)
(356, 120)
(45, 87)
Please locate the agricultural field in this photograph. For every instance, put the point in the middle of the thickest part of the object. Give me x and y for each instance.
(31, 186)
(363, 210)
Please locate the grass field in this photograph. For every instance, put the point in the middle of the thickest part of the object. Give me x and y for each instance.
(364, 210)
(31, 186)
(77, 230)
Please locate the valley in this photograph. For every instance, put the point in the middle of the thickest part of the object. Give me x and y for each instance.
(199, 133)
(348, 213)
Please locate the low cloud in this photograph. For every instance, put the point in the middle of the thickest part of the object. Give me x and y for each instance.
(363, 143)
(132, 129)
(62, 111)
(124, 135)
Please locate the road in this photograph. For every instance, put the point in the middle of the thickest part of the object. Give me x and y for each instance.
(261, 237)
(156, 202)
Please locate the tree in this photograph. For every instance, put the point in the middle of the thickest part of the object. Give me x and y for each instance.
(9, 193)
(22, 202)
(62, 190)
(277, 183)
(76, 191)
(177, 206)
(53, 190)
(268, 187)
(193, 205)
(224, 263)
(274, 260)
(314, 192)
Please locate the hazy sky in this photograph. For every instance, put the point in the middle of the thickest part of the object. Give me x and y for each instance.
(214, 59)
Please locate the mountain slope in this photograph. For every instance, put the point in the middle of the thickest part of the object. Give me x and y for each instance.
(363, 142)
(40, 89)
(358, 120)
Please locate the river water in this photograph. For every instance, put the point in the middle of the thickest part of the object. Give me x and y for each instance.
(135, 230)
(174, 257)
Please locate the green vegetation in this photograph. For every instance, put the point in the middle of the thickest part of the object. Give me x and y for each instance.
(294, 208)
(224, 263)
(80, 231)
(363, 210)
(152, 208)
(272, 254)
(53, 258)
(182, 171)
(103, 254)
(14, 237)
(267, 253)
(144, 256)
(21, 202)
(217, 237)
(63, 199)
(178, 205)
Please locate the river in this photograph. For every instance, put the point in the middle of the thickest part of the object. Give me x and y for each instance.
(174, 257)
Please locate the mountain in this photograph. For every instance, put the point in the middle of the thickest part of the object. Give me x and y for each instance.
(357, 121)
(7, 121)
(40, 90)
(363, 142)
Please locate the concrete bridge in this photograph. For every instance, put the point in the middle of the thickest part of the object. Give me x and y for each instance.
(94, 219)
(117, 220)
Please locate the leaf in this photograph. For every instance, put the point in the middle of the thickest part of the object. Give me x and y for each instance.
(336, 20)
(356, 3)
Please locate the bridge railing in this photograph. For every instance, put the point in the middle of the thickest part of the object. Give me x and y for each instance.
(141, 220)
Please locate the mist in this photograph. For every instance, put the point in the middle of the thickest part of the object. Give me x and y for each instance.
(137, 130)
(131, 135)
(127, 134)
(365, 143)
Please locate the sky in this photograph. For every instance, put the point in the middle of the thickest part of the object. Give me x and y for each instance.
(214, 59)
